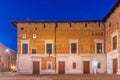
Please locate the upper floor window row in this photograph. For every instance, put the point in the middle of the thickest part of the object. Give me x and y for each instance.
(73, 47)
(24, 36)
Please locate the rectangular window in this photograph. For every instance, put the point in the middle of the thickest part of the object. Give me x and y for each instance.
(99, 47)
(23, 35)
(49, 48)
(114, 42)
(73, 48)
(34, 36)
(98, 65)
(74, 65)
(49, 65)
(33, 51)
(25, 48)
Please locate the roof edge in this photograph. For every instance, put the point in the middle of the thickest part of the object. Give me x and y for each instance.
(117, 3)
(53, 21)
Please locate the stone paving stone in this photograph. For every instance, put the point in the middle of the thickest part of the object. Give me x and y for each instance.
(60, 77)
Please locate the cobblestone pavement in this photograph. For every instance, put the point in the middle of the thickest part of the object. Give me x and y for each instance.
(12, 76)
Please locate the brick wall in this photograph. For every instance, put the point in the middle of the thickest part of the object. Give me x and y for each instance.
(112, 25)
(85, 32)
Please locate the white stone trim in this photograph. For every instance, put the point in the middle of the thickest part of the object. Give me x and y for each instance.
(68, 59)
(73, 41)
(24, 64)
(49, 71)
(115, 33)
(99, 41)
(49, 41)
(23, 35)
(25, 41)
(34, 36)
(57, 63)
(110, 56)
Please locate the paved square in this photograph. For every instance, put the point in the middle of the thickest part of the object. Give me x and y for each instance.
(13, 76)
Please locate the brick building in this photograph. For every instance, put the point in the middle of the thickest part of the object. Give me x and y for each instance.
(7, 58)
(69, 47)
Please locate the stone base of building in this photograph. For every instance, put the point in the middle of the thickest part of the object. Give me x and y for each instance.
(25, 63)
(110, 57)
(118, 72)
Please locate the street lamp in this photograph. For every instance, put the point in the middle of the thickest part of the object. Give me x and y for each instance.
(8, 57)
(7, 50)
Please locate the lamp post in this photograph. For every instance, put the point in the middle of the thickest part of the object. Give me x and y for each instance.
(8, 57)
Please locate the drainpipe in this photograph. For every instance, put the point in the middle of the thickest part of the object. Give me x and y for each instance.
(55, 45)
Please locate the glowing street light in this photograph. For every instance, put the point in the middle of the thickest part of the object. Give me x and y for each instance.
(7, 50)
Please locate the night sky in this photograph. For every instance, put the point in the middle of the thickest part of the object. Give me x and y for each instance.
(47, 10)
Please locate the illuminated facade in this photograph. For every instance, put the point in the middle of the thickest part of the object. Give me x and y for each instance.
(7, 58)
(69, 47)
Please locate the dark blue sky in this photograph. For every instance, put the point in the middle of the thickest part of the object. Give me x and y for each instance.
(47, 10)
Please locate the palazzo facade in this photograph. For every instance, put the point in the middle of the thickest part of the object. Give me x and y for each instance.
(69, 47)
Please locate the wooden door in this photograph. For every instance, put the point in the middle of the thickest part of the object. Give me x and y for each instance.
(61, 67)
(35, 67)
(86, 67)
(115, 66)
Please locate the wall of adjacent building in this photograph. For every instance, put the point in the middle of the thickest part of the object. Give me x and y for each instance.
(5, 63)
(112, 29)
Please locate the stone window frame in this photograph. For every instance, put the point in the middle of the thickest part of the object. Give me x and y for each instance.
(34, 36)
(49, 62)
(23, 42)
(24, 35)
(47, 42)
(99, 41)
(115, 33)
(73, 41)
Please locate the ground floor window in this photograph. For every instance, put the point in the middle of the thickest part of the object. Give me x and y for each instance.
(98, 65)
(74, 65)
(49, 65)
